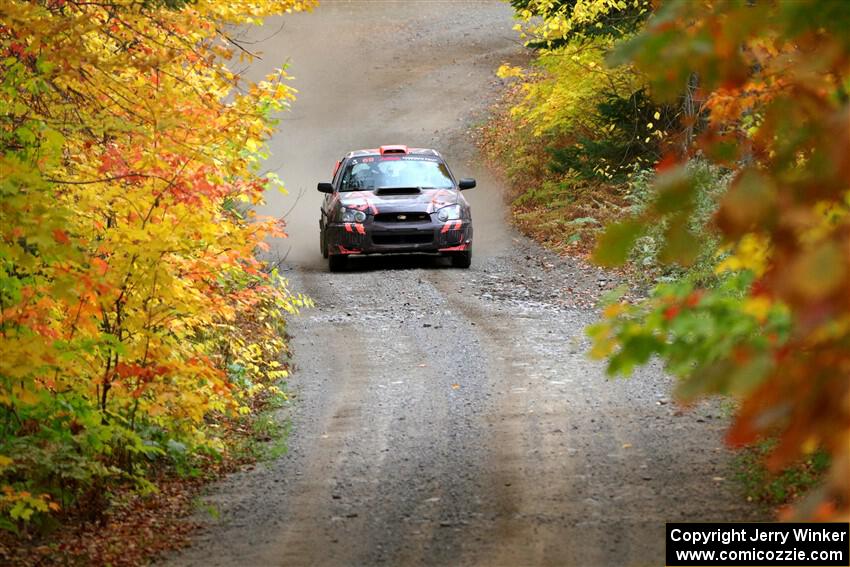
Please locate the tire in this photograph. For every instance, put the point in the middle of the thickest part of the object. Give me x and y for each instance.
(462, 259)
(337, 262)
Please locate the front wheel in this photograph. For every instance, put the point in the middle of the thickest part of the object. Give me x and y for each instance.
(462, 259)
(337, 262)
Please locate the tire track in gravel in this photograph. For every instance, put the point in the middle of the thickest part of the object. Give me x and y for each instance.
(529, 464)
(592, 468)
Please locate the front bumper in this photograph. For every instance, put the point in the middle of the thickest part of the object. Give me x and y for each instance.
(374, 237)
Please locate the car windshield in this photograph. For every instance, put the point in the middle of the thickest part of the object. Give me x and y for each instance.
(367, 173)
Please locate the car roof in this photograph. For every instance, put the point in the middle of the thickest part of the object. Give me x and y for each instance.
(393, 150)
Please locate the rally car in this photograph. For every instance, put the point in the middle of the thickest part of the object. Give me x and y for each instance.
(395, 199)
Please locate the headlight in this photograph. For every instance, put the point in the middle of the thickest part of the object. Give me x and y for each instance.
(351, 215)
(452, 212)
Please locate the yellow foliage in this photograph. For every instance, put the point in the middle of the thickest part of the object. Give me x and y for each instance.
(560, 19)
(758, 307)
(752, 253)
(506, 71)
(569, 81)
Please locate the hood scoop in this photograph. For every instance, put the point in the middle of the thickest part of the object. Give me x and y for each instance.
(398, 191)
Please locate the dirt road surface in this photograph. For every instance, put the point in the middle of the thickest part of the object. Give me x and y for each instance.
(444, 416)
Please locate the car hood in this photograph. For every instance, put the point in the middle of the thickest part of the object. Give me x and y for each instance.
(427, 200)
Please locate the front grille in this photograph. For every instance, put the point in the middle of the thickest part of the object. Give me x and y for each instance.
(416, 238)
(402, 217)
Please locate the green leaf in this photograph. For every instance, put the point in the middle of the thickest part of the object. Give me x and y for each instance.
(675, 192)
(613, 247)
(680, 244)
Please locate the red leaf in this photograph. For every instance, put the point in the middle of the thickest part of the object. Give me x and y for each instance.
(666, 162)
(694, 298)
(61, 236)
(100, 265)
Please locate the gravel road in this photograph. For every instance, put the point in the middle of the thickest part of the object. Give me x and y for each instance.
(444, 416)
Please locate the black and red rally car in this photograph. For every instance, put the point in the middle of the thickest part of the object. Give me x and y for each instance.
(395, 199)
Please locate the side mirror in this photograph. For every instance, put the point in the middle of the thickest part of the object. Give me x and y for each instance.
(325, 188)
(466, 183)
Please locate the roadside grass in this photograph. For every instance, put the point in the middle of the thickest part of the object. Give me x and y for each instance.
(566, 214)
(135, 528)
(781, 488)
(268, 434)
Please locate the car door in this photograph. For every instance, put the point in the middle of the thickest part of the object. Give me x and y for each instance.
(330, 198)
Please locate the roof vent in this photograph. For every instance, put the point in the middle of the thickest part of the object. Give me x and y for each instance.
(386, 150)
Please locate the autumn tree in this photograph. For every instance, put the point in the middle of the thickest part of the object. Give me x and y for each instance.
(132, 303)
(592, 116)
(775, 333)
(567, 20)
